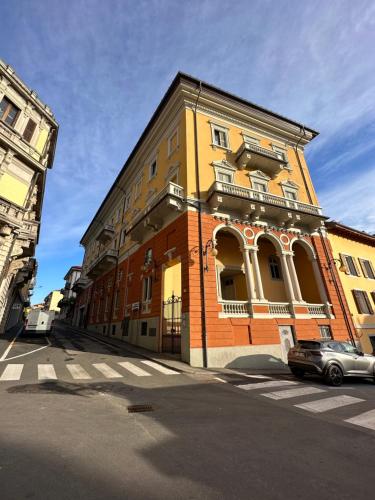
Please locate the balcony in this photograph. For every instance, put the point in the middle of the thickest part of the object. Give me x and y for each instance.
(253, 156)
(106, 234)
(246, 201)
(153, 216)
(103, 263)
(247, 309)
(80, 284)
(11, 214)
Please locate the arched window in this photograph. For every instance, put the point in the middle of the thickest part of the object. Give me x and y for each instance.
(148, 257)
(275, 270)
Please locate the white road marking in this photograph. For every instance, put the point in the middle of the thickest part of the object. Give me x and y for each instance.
(10, 345)
(266, 385)
(135, 370)
(258, 376)
(366, 419)
(107, 371)
(46, 372)
(293, 393)
(77, 372)
(160, 368)
(322, 405)
(12, 372)
(31, 352)
(221, 380)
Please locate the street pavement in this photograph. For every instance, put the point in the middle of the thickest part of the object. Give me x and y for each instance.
(69, 430)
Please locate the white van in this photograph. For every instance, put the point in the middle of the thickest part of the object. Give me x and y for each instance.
(39, 321)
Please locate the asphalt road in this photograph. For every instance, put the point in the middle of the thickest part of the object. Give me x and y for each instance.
(66, 431)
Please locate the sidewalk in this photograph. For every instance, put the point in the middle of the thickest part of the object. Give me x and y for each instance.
(171, 361)
(168, 360)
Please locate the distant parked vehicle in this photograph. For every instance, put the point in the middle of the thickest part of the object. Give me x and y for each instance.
(39, 322)
(331, 359)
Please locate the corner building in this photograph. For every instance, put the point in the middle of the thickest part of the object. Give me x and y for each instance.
(211, 242)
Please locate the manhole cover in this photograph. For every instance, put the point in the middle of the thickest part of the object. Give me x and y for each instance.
(140, 408)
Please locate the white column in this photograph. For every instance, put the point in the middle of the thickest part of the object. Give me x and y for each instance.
(249, 275)
(258, 278)
(294, 277)
(287, 279)
(319, 280)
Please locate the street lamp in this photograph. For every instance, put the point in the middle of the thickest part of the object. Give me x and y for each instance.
(208, 248)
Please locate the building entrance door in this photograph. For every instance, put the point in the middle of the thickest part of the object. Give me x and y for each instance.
(171, 333)
(286, 341)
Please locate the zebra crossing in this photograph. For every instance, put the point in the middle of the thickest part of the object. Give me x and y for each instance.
(46, 371)
(291, 390)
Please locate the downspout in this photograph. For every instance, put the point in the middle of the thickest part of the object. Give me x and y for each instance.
(301, 167)
(200, 239)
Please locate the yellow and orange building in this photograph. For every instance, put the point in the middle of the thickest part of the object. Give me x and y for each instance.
(211, 241)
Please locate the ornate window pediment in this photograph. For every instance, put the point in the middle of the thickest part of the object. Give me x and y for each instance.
(224, 171)
(259, 180)
(290, 189)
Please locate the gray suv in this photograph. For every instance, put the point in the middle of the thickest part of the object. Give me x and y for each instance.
(332, 359)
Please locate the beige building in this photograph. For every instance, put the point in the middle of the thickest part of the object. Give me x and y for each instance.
(28, 133)
(52, 300)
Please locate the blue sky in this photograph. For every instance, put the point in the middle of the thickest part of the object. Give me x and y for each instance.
(104, 66)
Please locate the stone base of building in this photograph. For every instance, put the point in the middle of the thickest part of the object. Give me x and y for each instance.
(257, 357)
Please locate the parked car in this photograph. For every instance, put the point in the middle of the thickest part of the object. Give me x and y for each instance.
(39, 322)
(331, 359)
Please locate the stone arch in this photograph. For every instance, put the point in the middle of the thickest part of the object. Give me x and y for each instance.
(270, 236)
(230, 229)
(303, 256)
(308, 247)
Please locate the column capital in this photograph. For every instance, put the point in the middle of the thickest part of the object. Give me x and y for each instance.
(251, 248)
(286, 252)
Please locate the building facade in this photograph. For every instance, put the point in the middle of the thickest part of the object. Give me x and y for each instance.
(211, 241)
(51, 302)
(66, 304)
(354, 252)
(28, 133)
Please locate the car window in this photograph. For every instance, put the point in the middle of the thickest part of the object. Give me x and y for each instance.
(348, 348)
(334, 346)
(309, 344)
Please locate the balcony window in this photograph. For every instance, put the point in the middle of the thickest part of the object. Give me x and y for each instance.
(350, 265)
(291, 195)
(325, 331)
(259, 186)
(274, 266)
(251, 140)
(147, 289)
(219, 136)
(362, 302)
(173, 142)
(281, 153)
(8, 112)
(259, 181)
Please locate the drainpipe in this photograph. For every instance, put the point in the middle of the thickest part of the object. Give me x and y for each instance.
(200, 244)
(301, 167)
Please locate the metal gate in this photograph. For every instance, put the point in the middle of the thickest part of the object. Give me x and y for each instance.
(171, 336)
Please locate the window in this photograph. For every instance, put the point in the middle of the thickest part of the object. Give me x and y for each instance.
(148, 256)
(127, 201)
(113, 329)
(137, 188)
(373, 296)
(275, 271)
(116, 304)
(350, 265)
(325, 331)
(29, 130)
(173, 142)
(367, 269)
(224, 177)
(220, 136)
(281, 153)
(259, 186)
(147, 289)
(362, 302)
(8, 112)
(122, 237)
(153, 169)
(291, 195)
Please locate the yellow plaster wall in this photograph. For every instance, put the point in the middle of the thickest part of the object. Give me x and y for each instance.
(41, 141)
(229, 253)
(305, 274)
(357, 250)
(55, 299)
(208, 154)
(172, 280)
(274, 290)
(13, 189)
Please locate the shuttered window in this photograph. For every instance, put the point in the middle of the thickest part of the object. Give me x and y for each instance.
(362, 302)
(367, 269)
(373, 297)
(29, 130)
(350, 265)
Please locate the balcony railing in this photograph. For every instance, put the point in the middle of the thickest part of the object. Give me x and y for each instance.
(235, 307)
(11, 213)
(106, 234)
(253, 195)
(316, 309)
(102, 263)
(277, 308)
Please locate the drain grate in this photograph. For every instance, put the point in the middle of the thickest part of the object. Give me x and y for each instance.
(140, 408)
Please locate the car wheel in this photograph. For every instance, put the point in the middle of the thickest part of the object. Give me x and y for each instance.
(297, 372)
(334, 375)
